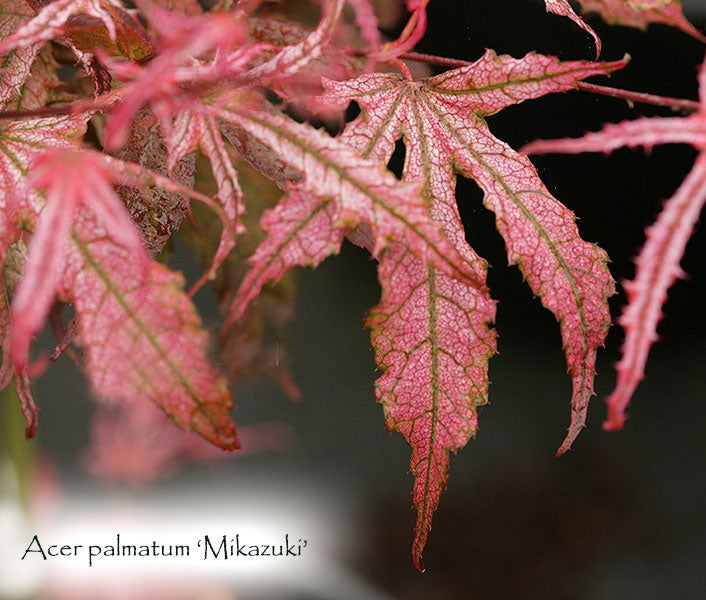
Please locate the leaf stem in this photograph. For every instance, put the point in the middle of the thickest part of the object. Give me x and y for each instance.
(673, 103)
(103, 102)
(678, 104)
(430, 59)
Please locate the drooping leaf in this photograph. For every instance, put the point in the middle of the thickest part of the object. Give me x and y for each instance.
(563, 8)
(431, 331)
(134, 443)
(20, 143)
(156, 348)
(658, 261)
(141, 333)
(641, 13)
(60, 173)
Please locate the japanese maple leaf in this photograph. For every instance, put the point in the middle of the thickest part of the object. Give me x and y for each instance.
(135, 443)
(563, 8)
(20, 143)
(16, 63)
(335, 190)
(641, 13)
(86, 24)
(130, 310)
(431, 332)
(658, 261)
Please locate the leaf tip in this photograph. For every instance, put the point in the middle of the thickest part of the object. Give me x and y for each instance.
(568, 442)
(578, 422)
(616, 414)
(213, 422)
(420, 540)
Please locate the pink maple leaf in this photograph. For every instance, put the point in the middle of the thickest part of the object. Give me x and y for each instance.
(658, 261)
(17, 62)
(134, 442)
(53, 17)
(362, 193)
(563, 9)
(130, 310)
(21, 143)
(331, 192)
(63, 173)
(431, 330)
(641, 13)
(302, 230)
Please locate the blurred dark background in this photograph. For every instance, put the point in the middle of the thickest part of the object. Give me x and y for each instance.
(621, 515)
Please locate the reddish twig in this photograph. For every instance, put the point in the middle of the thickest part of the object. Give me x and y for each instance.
(440, 61)
(102, 102)
(673, 103)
